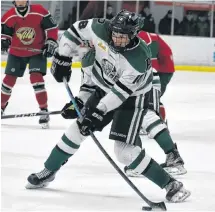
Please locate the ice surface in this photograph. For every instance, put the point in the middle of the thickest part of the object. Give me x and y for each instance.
(88, 182)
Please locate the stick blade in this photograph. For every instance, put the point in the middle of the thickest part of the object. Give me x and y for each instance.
(159, 206)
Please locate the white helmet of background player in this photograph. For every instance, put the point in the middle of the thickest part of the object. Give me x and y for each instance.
(124, 28)
(21, 5)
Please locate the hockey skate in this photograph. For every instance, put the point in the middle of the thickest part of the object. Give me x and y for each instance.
(44, 119)
(3, 109)
(41, 179)
(176, 192)
(174, 164)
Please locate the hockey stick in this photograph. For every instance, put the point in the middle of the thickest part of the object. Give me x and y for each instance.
(153, 205)
(30, 114)
(26, 49)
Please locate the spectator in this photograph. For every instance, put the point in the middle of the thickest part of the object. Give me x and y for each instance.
(109, 14)
(203, 25)
(149, 24)
(188, 26)
(165, 24)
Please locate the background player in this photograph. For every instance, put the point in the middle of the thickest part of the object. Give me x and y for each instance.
(28, 26)
(154, 121)
(162, 61)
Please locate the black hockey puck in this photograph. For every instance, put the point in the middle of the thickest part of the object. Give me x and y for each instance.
(145, 208)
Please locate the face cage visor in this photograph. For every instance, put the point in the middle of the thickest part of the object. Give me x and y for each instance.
(120, 40)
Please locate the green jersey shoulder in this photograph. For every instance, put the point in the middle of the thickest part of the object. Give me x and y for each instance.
(100, 28)
(139, 57)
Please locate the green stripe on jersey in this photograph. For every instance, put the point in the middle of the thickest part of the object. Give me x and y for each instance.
(118, 94)
(72, 38)
(98, 77)
(148, 81)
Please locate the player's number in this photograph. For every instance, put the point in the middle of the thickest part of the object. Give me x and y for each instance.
(82, 24)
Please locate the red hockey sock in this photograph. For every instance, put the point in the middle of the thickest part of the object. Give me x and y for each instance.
(6, 89)
(163, 112)
(38, 84)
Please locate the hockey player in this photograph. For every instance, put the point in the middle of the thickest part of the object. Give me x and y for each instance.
(25, 28)
(120, 78)
(152, 122)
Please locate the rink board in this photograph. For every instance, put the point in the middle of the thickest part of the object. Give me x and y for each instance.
(177, 67)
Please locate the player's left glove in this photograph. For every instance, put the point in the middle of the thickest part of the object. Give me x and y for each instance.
(69, 112)
(49, 48)
(91, 121)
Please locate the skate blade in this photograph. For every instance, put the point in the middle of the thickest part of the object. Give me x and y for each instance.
(177, 170)
(31, 186)
(45, 125)
(180, 196)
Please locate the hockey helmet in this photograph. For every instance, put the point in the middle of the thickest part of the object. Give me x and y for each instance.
(125, 23)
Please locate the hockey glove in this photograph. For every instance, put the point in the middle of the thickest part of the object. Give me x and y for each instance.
(61, 67)
(49, 48)
(69, 112)
(5, 44)
(91, 121)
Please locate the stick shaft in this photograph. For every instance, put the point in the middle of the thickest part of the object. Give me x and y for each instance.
(26, 49)
(22, 115)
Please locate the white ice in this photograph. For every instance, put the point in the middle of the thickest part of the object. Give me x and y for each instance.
(88, 182)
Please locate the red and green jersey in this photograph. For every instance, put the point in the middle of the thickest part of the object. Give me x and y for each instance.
(162, 59)
(28, 31)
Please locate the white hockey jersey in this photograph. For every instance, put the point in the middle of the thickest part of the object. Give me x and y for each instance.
(120, 75)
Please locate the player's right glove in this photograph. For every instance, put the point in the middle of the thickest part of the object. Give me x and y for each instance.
(91, 121)
(69, 112)
(49, 48)
(61, 67)
(5, 44)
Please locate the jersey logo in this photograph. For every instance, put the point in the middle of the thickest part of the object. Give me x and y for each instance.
(109, 70)
(26, 35)
(101, 45)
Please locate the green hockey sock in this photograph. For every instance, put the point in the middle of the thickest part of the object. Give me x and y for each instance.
(146, 166)
(165, 141)
(56, 159)
(61, 153)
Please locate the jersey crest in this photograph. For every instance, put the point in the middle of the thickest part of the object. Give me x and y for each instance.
(26, 35)
(110, 70)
